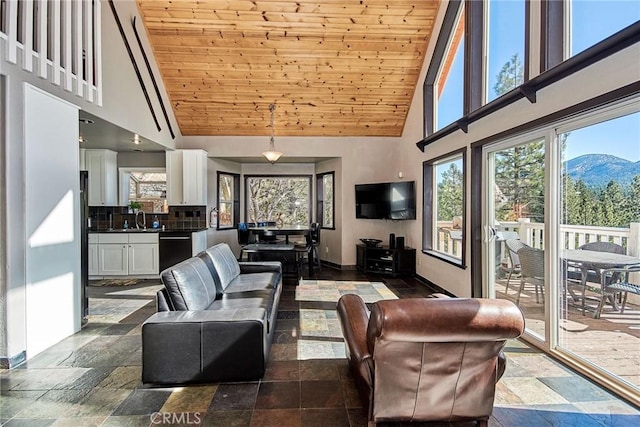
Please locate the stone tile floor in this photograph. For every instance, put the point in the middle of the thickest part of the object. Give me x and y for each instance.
(93, 377)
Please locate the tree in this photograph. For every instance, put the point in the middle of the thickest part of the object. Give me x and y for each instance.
(510, 76)
(519, 171)
(271, 198)
(613, 205)
(633, 200)
(450, 201)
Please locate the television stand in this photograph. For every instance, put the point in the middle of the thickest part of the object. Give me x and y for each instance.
(386, 261)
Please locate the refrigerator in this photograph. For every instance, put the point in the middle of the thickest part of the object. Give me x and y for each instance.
(84, 245)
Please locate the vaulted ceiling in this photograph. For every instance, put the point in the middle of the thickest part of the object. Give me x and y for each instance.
(331, 67)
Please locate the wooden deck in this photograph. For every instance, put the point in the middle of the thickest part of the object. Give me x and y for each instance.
(611, 342)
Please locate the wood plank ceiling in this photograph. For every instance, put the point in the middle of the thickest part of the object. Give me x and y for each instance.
(332, 67)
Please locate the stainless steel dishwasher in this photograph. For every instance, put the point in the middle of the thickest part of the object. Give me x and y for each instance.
(175, 246)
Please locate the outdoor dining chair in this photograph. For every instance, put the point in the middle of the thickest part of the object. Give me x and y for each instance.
(594, 274)
(616, 281)
(513, 265)
(531, 270)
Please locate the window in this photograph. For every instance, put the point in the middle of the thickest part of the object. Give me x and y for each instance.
(148, 187)
(505, 47)
(228, 200)
(612, 16)
(325, 199)
(286, 197)
(444, 195)
(449, 85)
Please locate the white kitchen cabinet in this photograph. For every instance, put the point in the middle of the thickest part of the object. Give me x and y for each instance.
(186, 177)
(103, 177)
(143, 259)
(125, 254)
(94, 264)
(113, 259)
(143, 254)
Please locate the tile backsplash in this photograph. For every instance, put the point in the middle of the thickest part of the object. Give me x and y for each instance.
(178, 218)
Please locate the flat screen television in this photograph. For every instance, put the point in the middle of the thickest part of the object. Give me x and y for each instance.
(386, 200)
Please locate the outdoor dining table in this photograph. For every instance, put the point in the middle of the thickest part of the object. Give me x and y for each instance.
(596, 260)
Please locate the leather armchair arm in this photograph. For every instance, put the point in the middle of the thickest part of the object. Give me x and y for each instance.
(260, 267)
(354, 317)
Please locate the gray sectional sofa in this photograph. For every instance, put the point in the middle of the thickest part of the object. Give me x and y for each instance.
(215, 322)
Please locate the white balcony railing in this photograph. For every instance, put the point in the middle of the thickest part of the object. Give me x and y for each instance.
(59, 40)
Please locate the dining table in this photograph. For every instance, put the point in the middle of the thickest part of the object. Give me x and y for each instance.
(285, 230)
(587, 260)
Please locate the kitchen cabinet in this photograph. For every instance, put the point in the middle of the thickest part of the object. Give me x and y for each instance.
(143, 254)
(102, 166)
(186, 177)
(113, 259)
(125, 254)
(93, 255)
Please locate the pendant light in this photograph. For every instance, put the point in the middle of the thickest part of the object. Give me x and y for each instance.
(272, 155)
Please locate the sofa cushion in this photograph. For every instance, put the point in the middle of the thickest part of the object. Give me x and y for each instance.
(253, 282)
(224, 263)
(190, 285)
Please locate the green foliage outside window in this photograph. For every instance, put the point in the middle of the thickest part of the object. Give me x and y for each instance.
(271, 197)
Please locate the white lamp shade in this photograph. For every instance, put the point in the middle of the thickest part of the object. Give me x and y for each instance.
(272, 156)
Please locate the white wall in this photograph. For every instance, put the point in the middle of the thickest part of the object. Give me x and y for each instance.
(362, 160)
(52, 213)
(123, 104)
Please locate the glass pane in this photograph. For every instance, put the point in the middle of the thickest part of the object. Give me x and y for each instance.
(516, 258)
(593, 21)
(449, 207)
(600, 221)
(449, 85)
(505, 50)
(327, 187)
(270, 198)
(225, 201)
(225, 214)
(150, 190)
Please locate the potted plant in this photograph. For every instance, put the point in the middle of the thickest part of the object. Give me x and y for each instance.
(134, 206)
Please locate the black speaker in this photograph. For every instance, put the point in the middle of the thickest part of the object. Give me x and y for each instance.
(400, 242)
(392, 241)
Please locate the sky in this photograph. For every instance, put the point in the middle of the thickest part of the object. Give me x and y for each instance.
(619, 137)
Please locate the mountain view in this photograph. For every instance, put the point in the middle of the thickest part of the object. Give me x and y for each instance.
(596, 170)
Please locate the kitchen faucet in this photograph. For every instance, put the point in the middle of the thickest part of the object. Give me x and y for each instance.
(144, 219)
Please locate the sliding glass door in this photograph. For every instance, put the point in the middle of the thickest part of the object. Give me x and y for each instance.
(561, 217)
(515, 220)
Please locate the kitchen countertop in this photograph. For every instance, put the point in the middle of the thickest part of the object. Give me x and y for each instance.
(148, 230)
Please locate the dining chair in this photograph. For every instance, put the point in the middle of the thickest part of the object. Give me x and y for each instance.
(513, 265)
(531, 270)
(615, 281)
(594, 274)
(244, 237)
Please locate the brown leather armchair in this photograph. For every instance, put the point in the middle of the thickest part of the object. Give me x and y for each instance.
(428, 359)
